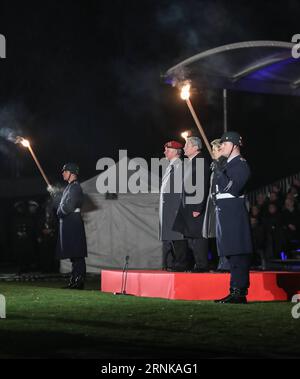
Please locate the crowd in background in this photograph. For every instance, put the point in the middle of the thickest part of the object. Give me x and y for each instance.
(275, 222)
(33, 229)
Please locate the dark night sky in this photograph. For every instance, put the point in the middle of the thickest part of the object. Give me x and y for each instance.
(82, 80)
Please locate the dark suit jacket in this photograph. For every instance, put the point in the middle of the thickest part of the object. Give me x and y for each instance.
(185, 223)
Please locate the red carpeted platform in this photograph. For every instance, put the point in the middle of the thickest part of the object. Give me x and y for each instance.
(265, 286)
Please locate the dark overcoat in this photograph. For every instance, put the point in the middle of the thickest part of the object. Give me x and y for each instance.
(209, 222)
(185, 223)
(232, 217)
(72, 239)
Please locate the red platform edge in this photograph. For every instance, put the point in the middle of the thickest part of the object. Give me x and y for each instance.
(265, 286)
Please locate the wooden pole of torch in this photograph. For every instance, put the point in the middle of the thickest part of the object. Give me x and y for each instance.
(201, 130)
(39, 166)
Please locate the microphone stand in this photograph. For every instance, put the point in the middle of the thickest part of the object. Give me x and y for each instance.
(124, 279)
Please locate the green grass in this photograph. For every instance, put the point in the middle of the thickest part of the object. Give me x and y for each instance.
(46, 321)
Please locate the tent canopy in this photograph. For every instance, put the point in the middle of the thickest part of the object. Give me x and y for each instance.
(254, 66)
(147, 180)
(120, 227)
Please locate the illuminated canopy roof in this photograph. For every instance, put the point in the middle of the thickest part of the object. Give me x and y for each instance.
(254, 66)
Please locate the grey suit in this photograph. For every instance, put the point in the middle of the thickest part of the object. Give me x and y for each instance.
(169, 203)
(174, 244)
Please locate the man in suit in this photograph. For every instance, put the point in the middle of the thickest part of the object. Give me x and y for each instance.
(190, 216)
(232, 218)
(174, 245)
(72, 240)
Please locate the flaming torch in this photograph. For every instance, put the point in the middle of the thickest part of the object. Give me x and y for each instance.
(26, 144)
(185, 95)
(185, 135)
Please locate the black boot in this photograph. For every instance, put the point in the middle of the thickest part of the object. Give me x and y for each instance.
(226, 297)
(71, 282)
(78, 283)
(236, 296)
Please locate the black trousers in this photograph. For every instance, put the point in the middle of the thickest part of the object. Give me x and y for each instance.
(168, 254)
(180, 254)
(239, 270)
(223, 264)
(78, 267)
(199, 249)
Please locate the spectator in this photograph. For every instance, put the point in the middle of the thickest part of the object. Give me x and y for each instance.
(33, 215)
(47, 237)
(261, 203)
(273, 233)
(257, 237)
(290, 219)
(291, 196)
(23, 238)
(280, 196)
(255, 212)
(273, 199)
(294, 191)
(296, 183)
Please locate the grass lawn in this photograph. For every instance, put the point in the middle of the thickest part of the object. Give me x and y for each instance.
(46, 321)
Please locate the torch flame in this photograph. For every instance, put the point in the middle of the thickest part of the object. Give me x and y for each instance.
(185, 91)
(185, 134)
(24, 142)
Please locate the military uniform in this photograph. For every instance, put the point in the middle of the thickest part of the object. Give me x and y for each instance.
(209, 223)
(72, 239)
(232, 221)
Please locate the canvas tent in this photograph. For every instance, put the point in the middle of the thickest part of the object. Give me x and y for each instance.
(120, 227)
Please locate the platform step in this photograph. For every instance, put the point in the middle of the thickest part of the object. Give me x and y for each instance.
(265, 286)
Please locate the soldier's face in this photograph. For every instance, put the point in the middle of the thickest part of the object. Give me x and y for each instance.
(226, 148)
(66, 175)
